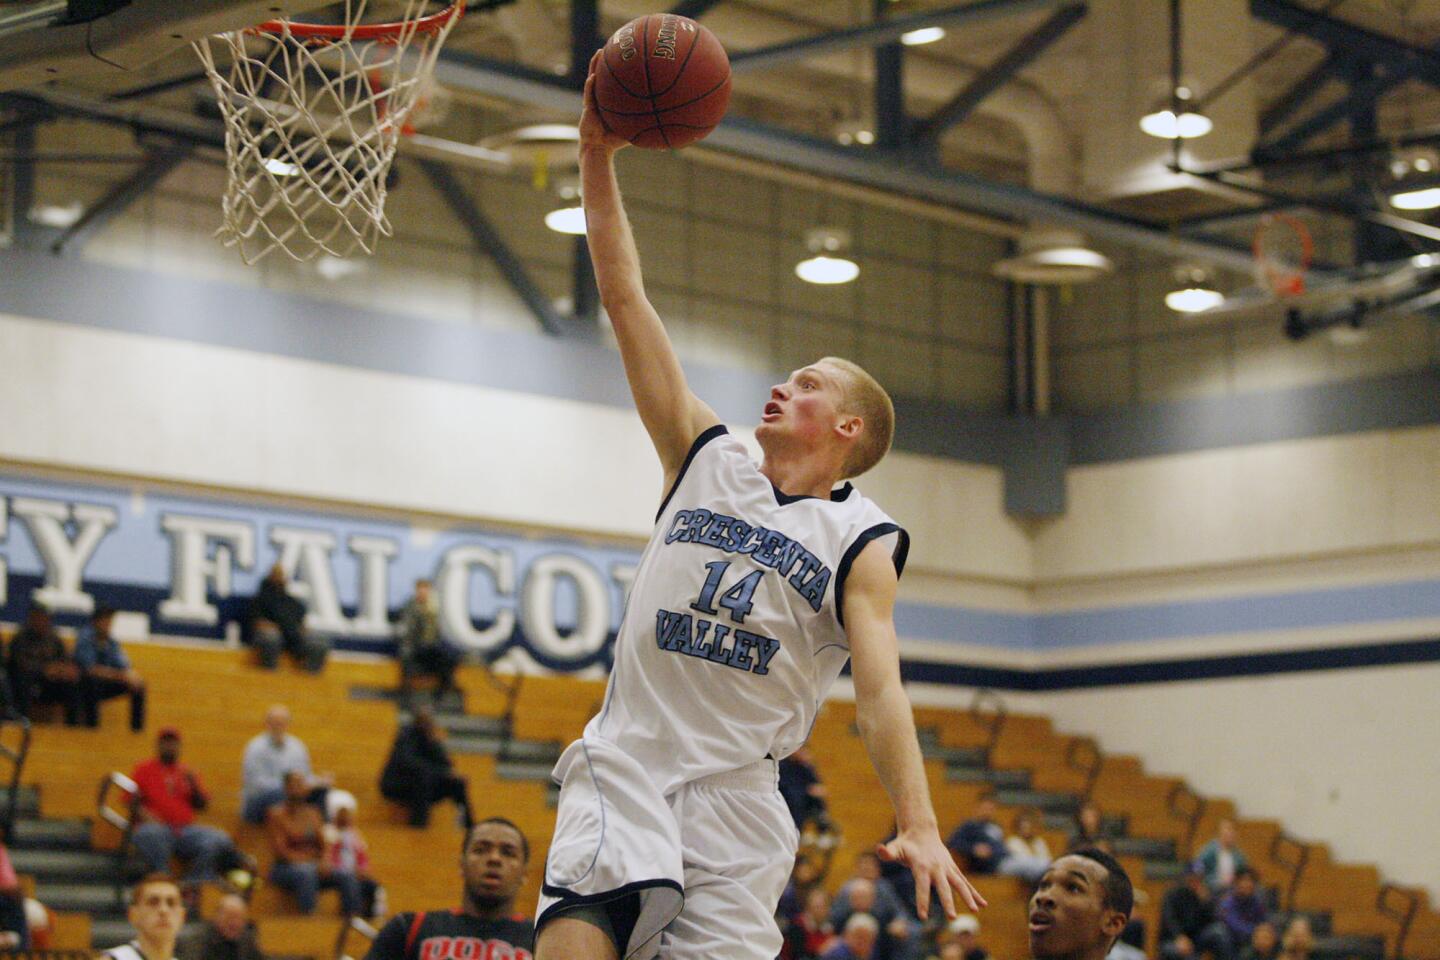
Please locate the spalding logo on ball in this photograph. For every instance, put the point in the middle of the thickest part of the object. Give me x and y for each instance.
(663, 82)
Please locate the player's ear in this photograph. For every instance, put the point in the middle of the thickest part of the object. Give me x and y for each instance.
(850, 426)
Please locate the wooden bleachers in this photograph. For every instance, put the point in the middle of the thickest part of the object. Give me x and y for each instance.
(217, 698)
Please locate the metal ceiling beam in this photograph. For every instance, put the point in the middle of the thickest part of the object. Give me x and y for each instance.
(873, 34)
(999, 73)
(22, 185)
(1347, 39)
(881, 170)
(1360, 97)
(891, 125)
(694, 9)
(1298, 95)
(584, 37)
(488, 239)
(1336, 205)
(122, 196)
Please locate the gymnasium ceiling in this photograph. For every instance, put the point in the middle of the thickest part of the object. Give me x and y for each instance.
(1302, 74)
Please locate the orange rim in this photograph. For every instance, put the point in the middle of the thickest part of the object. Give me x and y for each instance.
(1284, 282)
(434, 23)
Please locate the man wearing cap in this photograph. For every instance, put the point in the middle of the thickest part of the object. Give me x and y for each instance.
(966, 945)
(170, 795)
(105, 671)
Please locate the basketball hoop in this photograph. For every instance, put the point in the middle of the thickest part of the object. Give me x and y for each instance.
(313, 115)
(1283, 250)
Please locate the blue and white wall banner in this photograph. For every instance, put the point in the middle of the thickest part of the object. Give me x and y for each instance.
(189, 565)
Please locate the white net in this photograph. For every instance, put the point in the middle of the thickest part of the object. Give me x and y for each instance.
(312, 122)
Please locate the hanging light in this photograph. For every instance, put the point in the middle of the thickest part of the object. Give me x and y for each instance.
(1177, 119)
(826, 266)
(924, 35)
(1194, 292)
(568, 220)
(1427, 198)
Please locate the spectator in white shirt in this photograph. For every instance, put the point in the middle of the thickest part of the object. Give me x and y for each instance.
(268, 757)
(1027, 855)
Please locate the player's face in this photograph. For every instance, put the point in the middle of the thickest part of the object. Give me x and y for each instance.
(157, 914)
(1068, 916)
(805, 407)
(494, 863)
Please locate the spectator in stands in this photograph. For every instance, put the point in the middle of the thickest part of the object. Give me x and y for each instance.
(1264, 943)
(1222, 857)
(858, 942)
(277, 622)
(105, 671)
(1299, 940)
(979, 843)
(804, 877)
(40, 669)
(1089, 829)
(1188, 924)
(418, 772)
(1242, 908)
(1027, 855)
(422, 650)
(227, 935)
(802, 790)
(493, 861)
(14, 923)
(966, 943)
(897, 935)
(170, 795)
(268, 757)
(346, 850)
(297, 841)
(157, 913)
(809, 933)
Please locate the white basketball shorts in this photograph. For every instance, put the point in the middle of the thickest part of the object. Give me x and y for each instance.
(709, 862)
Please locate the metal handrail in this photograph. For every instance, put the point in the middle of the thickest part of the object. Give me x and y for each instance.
(1297, 866)
(125, 822)
(1404, 916)
(993, 721)
(1091, 770)
(1191, 818)
(511, 692)
(358, 925)
(16, 756)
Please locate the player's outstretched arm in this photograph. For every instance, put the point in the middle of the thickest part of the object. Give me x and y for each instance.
(887, 727)
(672, 415)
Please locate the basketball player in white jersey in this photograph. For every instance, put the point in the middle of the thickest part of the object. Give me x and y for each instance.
(758, 583)
(157, 913)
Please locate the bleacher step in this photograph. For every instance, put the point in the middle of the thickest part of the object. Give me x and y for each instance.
(1147, 848)
(1015, 779)
(51, 835)
(472, 725)
(1358, 947)
(524, 769)
(452, 703)
(27, 801)
(1038, 799)
(1112, 825)
(64, 865)
(521, 751)
(96, 899)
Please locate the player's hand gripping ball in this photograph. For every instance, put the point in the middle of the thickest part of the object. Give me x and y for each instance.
(662, 82)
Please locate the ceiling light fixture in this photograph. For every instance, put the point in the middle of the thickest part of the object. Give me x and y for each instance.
(825, 267)
(1177, 117)
(568, 220)
(924, 35)
(1053, 255)
(1194, 291)
(1427, 198)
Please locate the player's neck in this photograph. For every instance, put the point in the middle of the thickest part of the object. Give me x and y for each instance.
(797, 476)
(152, 949)
(487, 911)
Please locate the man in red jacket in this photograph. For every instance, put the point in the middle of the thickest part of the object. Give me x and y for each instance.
(170, 796)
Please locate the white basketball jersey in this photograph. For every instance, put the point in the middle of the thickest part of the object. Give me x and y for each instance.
(733, 632)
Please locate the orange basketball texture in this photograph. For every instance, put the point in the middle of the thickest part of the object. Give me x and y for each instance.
(663, 81)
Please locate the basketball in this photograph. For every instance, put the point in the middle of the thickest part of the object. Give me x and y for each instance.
(663, 82)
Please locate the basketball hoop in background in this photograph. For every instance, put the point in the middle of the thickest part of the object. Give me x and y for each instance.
(1283, 250)
(313, 115)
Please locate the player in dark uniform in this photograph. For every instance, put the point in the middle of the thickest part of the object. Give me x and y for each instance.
(486, 927)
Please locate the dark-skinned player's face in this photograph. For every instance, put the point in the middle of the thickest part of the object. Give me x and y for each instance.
(1068, 916)
(493, 863)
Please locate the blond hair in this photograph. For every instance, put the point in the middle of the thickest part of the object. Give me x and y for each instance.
(865, 398)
